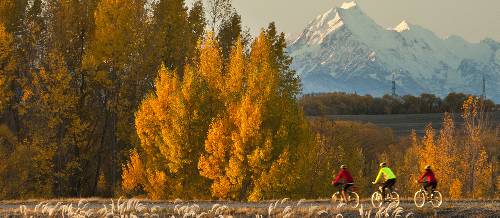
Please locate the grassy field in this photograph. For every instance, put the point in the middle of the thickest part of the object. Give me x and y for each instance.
(402, 124)
(278, 208)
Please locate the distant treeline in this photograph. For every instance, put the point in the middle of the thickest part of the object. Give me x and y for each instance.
(340, 103)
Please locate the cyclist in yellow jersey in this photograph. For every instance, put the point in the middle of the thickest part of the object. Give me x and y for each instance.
(389, 177)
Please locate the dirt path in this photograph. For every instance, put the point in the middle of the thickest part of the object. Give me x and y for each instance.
(280, 208)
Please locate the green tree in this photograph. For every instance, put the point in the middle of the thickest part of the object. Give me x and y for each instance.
(230, 31)
(7, 67)
(12, 13)
(114, 78)
(197, 24)
(172, 34)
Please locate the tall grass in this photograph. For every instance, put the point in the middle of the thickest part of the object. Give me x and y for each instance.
(131, 208)
(121, 208)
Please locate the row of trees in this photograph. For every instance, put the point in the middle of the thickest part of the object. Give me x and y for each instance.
(339, 103)
(72, 74)
(466, 159)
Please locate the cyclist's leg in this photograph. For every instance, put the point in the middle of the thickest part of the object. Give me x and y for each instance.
(347, 190)
(344, 191)
(433, 186)
(392, 184)
(426, 185)
(348, 187)
(387, 183)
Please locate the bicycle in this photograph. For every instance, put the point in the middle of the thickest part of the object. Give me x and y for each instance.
(434, 197)
(352, 197)
(391, 197)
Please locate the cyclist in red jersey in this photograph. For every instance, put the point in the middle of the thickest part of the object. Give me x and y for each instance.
(428, 179)
(343, 179)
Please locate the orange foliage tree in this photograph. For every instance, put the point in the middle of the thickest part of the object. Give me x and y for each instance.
(226, 130)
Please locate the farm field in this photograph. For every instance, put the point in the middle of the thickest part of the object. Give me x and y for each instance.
(402, 124)
(277, 208)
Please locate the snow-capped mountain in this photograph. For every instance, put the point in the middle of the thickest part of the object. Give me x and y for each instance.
(345, 50)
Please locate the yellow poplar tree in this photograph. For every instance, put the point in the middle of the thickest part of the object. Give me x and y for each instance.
(428, 151)
(249, 150)
(475, 160)
(410, 169)
(171, 125)
(222, 128)
(447, 154)
(133, 173)
(232, 136)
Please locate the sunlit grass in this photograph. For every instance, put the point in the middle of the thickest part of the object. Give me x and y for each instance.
(283, 208)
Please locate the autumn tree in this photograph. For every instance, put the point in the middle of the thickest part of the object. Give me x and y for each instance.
(7, 67)
(197, 20)
(476, 161)
(452, 156)
(226, 125)
(71, 24)
(197, 23)
(257, 142)
(12, 13)
(171, 125)
(409, 167)
(448, 155)
(428, 150)
(172, 33)
(336, 143)
(230, 31)
(114, 79)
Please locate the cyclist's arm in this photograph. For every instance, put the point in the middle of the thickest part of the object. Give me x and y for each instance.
(336, 180)
(380, 172)
(422, 177)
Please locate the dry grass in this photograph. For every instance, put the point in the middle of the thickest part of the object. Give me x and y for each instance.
(280, 208)
(121, 208)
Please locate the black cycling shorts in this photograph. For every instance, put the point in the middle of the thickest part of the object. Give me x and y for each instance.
(344, 186)
(389, 183)
(432, 185)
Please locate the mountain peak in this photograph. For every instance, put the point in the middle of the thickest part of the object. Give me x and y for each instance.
(344, 50)
(348, 5)
(401, 27)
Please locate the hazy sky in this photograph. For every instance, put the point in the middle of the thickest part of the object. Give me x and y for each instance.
(472, 19)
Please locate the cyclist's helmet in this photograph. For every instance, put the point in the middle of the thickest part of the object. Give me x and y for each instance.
(383, 164)
(343, 167)
(428, 167)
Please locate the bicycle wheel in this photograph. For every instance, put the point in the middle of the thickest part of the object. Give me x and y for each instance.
(419, 198)
(336, 199)
(394, 197)
(437, 199)
(377, 199)
(353, 199)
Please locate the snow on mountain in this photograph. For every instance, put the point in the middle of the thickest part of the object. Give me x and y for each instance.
(403, 26)
(348, 5)
(345, 50)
